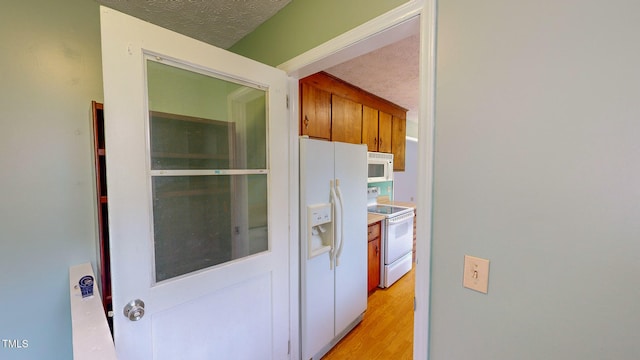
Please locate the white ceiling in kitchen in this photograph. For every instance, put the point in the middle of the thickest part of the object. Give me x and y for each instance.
(390, 72)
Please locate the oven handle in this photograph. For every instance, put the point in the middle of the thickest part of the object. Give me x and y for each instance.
(341, 243)
(400, 218)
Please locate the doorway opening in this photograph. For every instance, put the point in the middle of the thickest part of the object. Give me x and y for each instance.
(393, 31)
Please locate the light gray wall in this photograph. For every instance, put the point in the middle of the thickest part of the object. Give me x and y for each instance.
(537, 168)
(49, 72)
(405, 182)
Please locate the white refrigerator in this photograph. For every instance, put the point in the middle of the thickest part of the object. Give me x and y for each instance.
(333, 242)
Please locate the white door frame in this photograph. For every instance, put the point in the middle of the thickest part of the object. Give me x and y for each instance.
(376, 33)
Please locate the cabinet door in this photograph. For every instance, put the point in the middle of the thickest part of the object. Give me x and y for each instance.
(373, 236)
(370, 127)
(374, 264)
(315, 115)
(384, 132)
(346, 120)
(398, 142)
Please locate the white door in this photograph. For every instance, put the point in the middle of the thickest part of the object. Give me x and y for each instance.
(198, 226)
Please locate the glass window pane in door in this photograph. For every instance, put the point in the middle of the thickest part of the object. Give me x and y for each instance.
(194, 221)
(216, 130)
(200, 121)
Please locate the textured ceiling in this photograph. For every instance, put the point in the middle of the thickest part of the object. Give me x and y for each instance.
(218, 22)
(390, 72)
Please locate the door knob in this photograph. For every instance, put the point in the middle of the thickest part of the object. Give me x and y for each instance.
(134, 310)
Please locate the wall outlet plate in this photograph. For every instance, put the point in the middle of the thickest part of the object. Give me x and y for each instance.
(476, 274)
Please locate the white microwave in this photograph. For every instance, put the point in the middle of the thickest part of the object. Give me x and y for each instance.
(380, 167)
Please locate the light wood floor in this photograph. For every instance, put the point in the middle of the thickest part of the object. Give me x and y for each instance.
(386, 332)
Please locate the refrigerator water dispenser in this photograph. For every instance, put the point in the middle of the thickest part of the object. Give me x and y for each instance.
(320, 233)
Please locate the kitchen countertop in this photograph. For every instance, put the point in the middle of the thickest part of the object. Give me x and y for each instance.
(399, 203)
(374, 218)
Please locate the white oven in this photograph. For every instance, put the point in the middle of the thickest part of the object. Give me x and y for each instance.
(398, 247)
(397, 242)
(380, 167)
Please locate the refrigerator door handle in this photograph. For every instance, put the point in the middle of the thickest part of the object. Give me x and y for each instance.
(341, 244)
(332, 252)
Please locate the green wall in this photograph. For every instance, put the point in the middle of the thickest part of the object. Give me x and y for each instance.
(50, 70)
(305, 24)
(537, 168)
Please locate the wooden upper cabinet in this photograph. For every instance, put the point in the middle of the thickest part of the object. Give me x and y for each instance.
(398, 142)
(370, 127)
(346, 120)
(376, 129)
(315, 119)
(385, 131)
(335, 110)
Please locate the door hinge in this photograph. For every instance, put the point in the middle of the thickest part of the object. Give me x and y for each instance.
(289, 348)
(414, 304)
(287, 101)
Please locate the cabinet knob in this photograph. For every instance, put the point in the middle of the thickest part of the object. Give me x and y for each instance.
(306, 121)
(380, 142)
(375, 141)
(377, 250)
